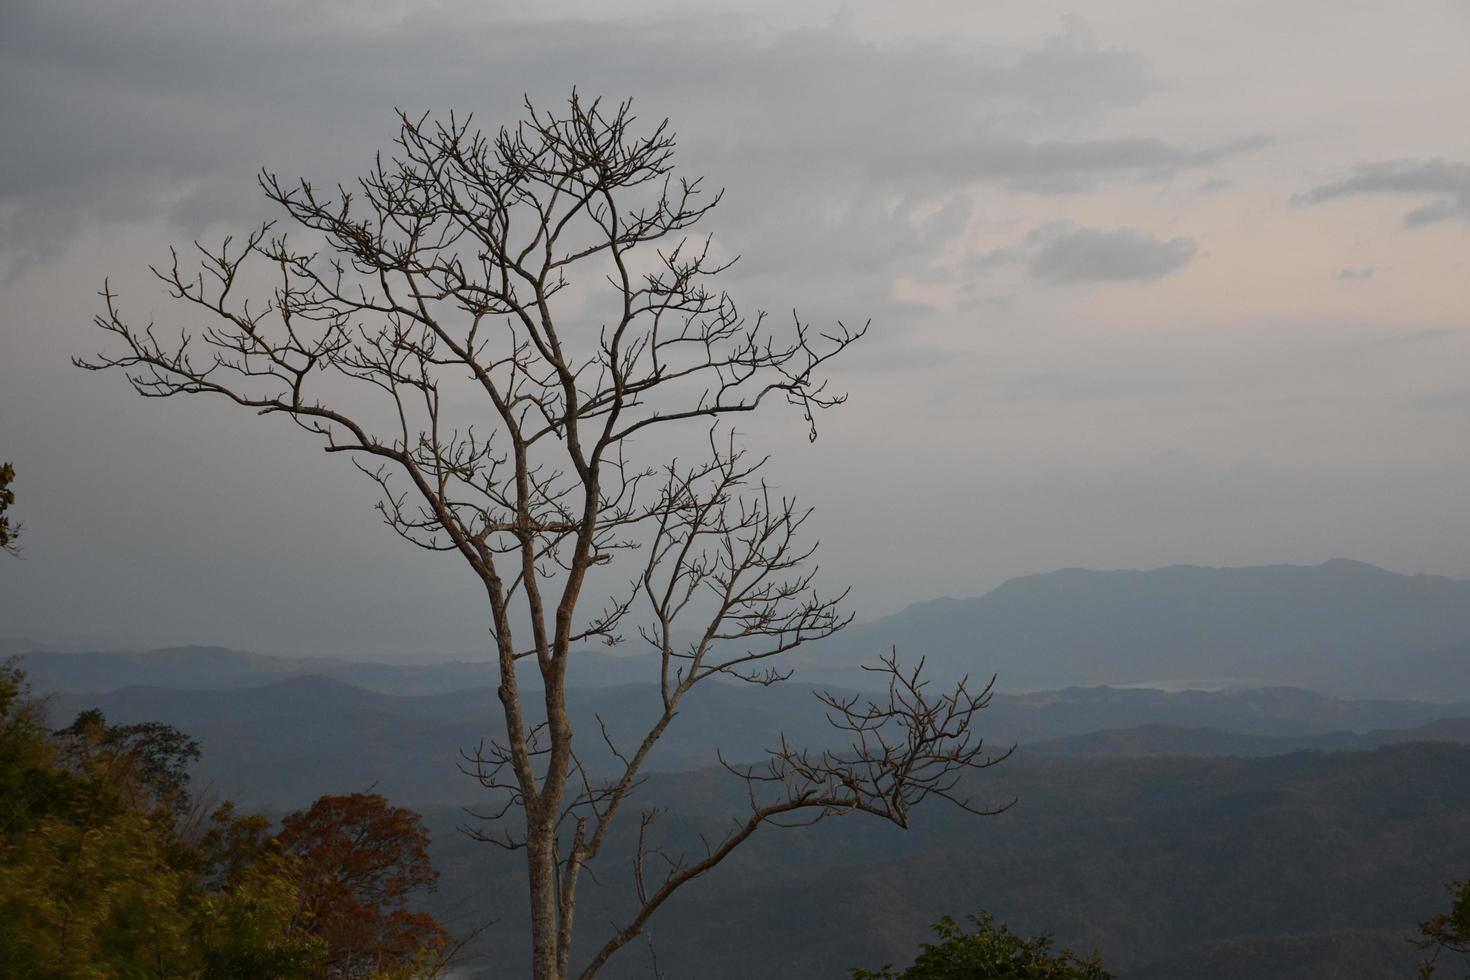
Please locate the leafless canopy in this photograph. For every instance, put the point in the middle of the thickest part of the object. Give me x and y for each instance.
(431, 328)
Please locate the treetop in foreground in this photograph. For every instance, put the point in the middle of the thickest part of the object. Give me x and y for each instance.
(8, 531)
(990, 952)
(1447, 934)
(108, 870)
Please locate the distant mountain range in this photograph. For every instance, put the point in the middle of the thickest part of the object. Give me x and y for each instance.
(284, 743)
(1343, 628)
(1260, 829)
(205, 668)
(1145, 741)
(1188, 837)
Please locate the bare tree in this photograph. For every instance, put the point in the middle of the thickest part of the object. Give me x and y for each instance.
(444, 278)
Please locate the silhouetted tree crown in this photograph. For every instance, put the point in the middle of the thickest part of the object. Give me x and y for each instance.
(506, 333)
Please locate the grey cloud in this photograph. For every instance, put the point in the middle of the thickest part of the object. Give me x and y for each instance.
(1071, 166)
(1047, 72)
(949, 220)
(1362, 274)
(1454, 399)
(1434, 212)
(1064, 253)
(142, 109)
(1446, 181)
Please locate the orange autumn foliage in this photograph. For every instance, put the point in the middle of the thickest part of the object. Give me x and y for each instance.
(361, 861)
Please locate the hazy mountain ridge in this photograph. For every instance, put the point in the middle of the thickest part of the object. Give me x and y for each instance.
(206, 668)
(286, 742)
(1173, 740)
(1342, 627)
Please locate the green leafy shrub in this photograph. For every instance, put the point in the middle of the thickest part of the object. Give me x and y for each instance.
(991, 950)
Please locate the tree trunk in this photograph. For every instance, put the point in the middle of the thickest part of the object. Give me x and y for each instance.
(541, 865)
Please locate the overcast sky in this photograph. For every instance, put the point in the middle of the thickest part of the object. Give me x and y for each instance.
(1151, 282)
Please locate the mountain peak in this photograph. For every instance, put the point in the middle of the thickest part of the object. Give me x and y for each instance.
(1344, 627)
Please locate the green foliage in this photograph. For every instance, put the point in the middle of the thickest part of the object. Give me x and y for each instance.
(245, 933)
(84, 898)
(24, 753)
(8, 532)
(158, 755)
(1447, 932)
(99, 880)
(991, 951)
(87, 887)
(232, 845)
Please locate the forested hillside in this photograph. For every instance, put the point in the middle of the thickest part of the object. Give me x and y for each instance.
(1308, 865)
(1200, 834)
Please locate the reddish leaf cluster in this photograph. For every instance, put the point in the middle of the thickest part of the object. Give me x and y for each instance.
(361, 860)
